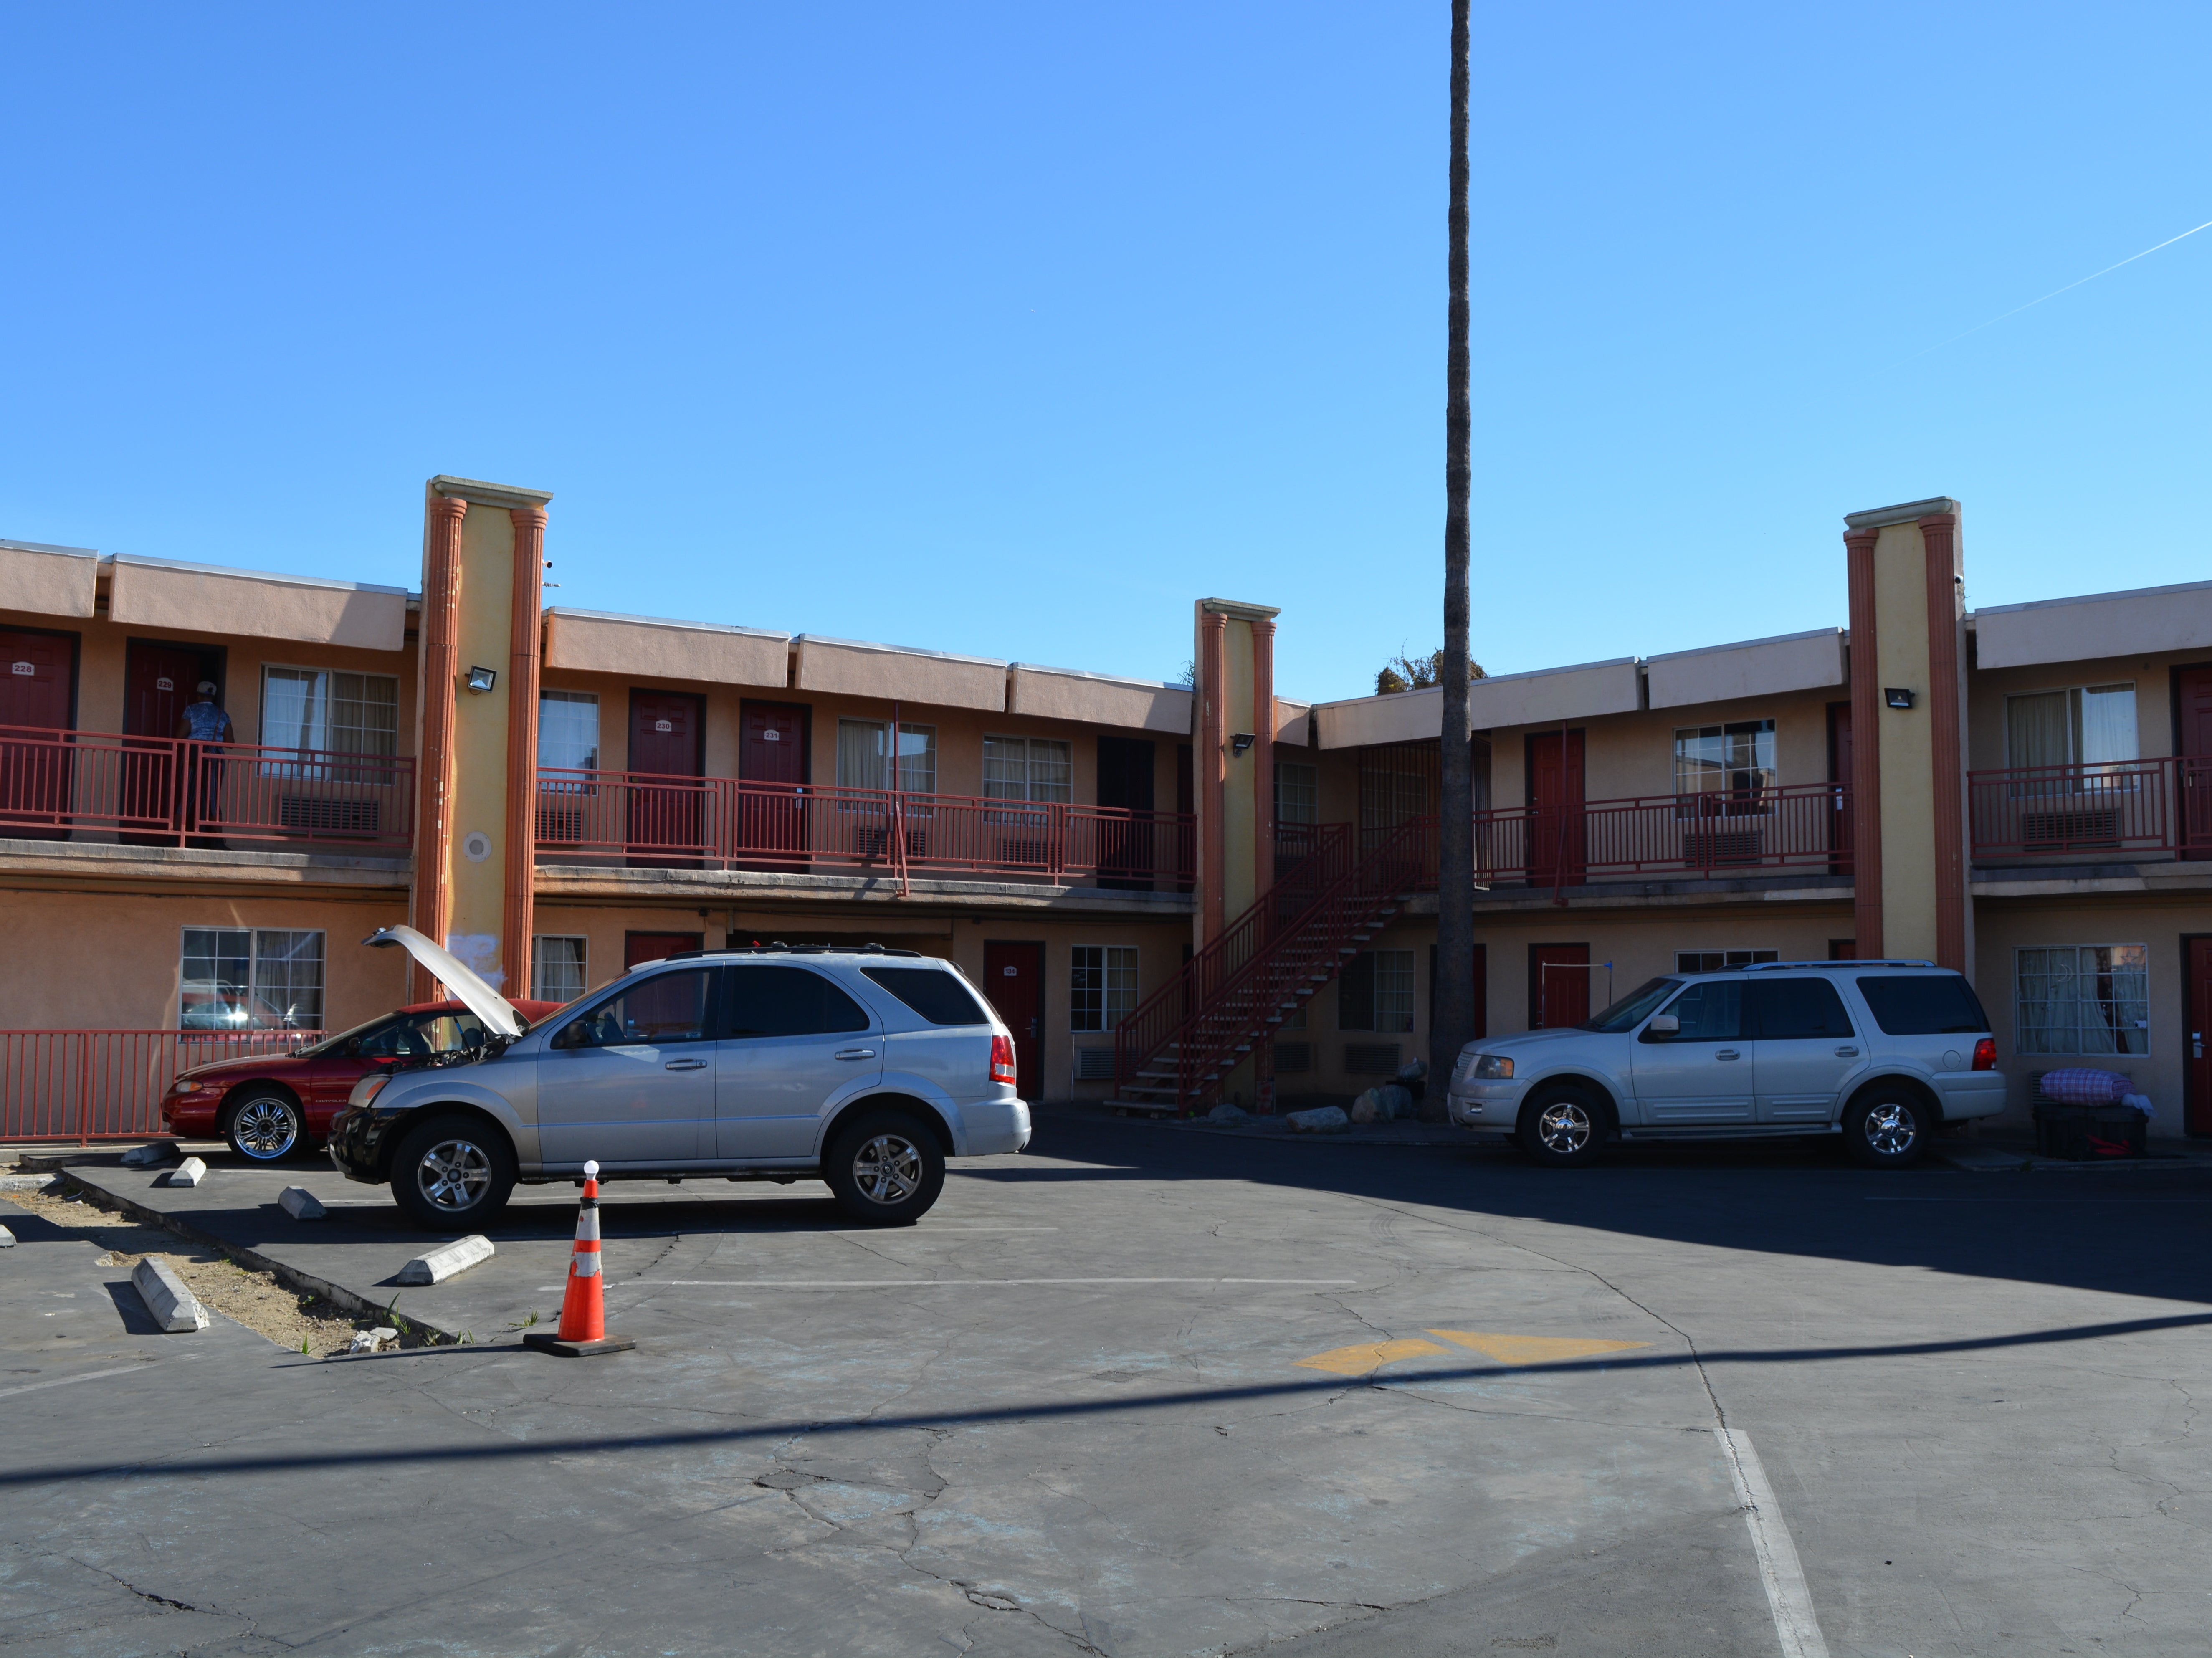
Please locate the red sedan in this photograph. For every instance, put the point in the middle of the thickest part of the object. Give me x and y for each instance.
(270, 1105)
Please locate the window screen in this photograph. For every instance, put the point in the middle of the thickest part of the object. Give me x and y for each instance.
(789, 1001)
(1923, 1004)
(937, 995)
(1798, 1009)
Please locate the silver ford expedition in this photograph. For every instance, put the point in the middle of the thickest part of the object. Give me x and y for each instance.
(1883, 1053)
(864, 1068)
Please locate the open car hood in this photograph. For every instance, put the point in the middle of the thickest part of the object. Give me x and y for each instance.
(497, 1013)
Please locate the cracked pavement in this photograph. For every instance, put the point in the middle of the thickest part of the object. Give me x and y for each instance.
(1974, 1396)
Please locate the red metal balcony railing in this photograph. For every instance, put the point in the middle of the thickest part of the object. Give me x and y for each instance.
(1801, 826)
(171, 791)
(721, 822)
(107, 1085)
(2125, 807)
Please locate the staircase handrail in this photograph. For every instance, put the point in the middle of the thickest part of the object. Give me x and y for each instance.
(1335, 920)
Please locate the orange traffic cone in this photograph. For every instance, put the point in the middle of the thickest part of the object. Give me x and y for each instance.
(583, 1305)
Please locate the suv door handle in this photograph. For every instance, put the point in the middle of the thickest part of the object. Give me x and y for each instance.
(855, 1053)
(1727, 1054)
(685, 1064)
(1847, 1052)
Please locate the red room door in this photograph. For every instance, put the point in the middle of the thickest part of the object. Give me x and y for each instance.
(656, 946)
(1559, 986)
(665, 741)
(1013, 978)
(158, 681)
(1557, 834)
(772, 768)
(2197, 1110)
(1839, 778)
(2192, 698)
(36, 691)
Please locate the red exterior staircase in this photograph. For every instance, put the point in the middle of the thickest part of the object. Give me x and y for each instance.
(1177, 1048)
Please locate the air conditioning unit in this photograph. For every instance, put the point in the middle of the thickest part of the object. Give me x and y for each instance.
(2084, 826)
(1370, 1058)
(1706, 848)
(560, 820)
(313, 815)
(1094, 1065)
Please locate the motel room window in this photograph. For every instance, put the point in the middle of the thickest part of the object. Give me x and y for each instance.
(1716, 960)
(2082, 999)
(1736, 759)
(558, 967)
(2080, 726)
(568, 730)
(1375, 991)
(338, 712)
(1297, 793)
(1102, 988)
(864, 755)
(250, 978)
(1036, 768)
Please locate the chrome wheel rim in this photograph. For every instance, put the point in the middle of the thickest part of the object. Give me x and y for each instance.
(266, 1128)
(1890, 1128)
(452, 1175)
(888, 1169)
(1564, 1126)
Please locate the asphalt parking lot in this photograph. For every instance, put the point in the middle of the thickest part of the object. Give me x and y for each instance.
(1149, 1391)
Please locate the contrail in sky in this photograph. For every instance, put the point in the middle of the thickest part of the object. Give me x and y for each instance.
(2055, 292)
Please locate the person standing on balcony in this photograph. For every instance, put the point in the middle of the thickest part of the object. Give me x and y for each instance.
(204, 724)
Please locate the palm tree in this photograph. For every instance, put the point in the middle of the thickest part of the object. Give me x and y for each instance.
(1454, 1024)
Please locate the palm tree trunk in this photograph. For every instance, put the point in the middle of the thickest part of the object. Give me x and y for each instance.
(1454, 1024)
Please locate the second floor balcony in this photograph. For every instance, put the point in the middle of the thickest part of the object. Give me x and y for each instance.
(1805, 827)
(157, 790)
(721, 823)
(2138, 809)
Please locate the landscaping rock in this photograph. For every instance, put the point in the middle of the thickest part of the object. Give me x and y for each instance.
(446, 1261)
(1228, 1113)
(152, 1155)
(1396, 1103)
(191, 1172)
(1324, 1120)
(374, 1341)
(1368, 1108)
(301, 1203)
(174, 1308)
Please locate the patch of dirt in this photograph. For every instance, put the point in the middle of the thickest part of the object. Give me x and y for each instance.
(303, 1324)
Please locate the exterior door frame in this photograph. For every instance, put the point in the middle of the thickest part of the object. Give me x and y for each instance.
(2176, 747)
(1537, 981)
(1028, 1050)
(2195, 1102)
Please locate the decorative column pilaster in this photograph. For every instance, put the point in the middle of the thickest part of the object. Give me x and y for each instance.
(439, 645)
(522, 745)
(1866, 748)
(1212, 783)
(1939, 537)
(1263, 754)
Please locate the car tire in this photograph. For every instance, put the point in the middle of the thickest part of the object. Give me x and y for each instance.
(266, 1126)
(452, 1174)
(1888, 1128)
(1562, 1128)
(885, 1168)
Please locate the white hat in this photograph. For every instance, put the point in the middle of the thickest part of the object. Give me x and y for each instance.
(208, 685)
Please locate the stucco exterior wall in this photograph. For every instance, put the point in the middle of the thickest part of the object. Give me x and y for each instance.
(2146, 620)
(48, 581)
(1908, 787)
(853, 668)
(2150, 672)
(647, 648)
(1098, 699)
(1758, 667)
(203, 598)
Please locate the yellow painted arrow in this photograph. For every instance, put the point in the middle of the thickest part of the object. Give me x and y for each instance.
(1366, 1355)
(1531, 1350)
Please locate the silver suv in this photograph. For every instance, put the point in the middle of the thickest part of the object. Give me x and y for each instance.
(864, 1068)
(1883, 1053)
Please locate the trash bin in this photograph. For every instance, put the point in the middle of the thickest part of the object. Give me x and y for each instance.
(2081, 1133)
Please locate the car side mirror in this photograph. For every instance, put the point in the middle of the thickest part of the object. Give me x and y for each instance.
(1662, 1026)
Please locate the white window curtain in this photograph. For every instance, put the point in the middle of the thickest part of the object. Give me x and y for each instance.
(1035, 768)
(1297, 793)
(2082, 999)
(2086, 726)
(557, 969)
(342, 712)
(863, 755)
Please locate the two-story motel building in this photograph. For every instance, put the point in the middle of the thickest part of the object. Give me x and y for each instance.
(2024, 793)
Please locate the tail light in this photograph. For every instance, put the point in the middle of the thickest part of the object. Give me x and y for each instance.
(1985, 1053)
(1002, 1060)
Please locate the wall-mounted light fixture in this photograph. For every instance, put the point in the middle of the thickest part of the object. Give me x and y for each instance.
(480, 680)
(1897, 696)
(1240, 741)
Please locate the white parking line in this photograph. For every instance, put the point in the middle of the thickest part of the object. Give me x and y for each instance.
(89, 1376)
(930, 1283)
(1787, 1597)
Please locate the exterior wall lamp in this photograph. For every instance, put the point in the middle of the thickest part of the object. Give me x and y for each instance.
(480, 680)
(1897, 696)
(1240, 742)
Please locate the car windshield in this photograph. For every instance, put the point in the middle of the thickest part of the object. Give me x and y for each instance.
(330, 1044)
(405, 1035)
(1634, 1008)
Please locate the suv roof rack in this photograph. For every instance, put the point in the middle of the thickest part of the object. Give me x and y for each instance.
(779, 947)
(1856, 961)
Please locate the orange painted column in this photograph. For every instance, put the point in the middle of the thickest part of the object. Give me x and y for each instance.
(522, 664)
(1263, 754)
(1939, 537)
(1213, 781)
(431, 902)
(1866, 749)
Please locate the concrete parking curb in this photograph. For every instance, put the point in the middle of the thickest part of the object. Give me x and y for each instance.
(447, 1260)
(174, 1308)
(306, 1284)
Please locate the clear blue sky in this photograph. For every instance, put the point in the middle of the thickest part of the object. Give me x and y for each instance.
(1011, 329)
